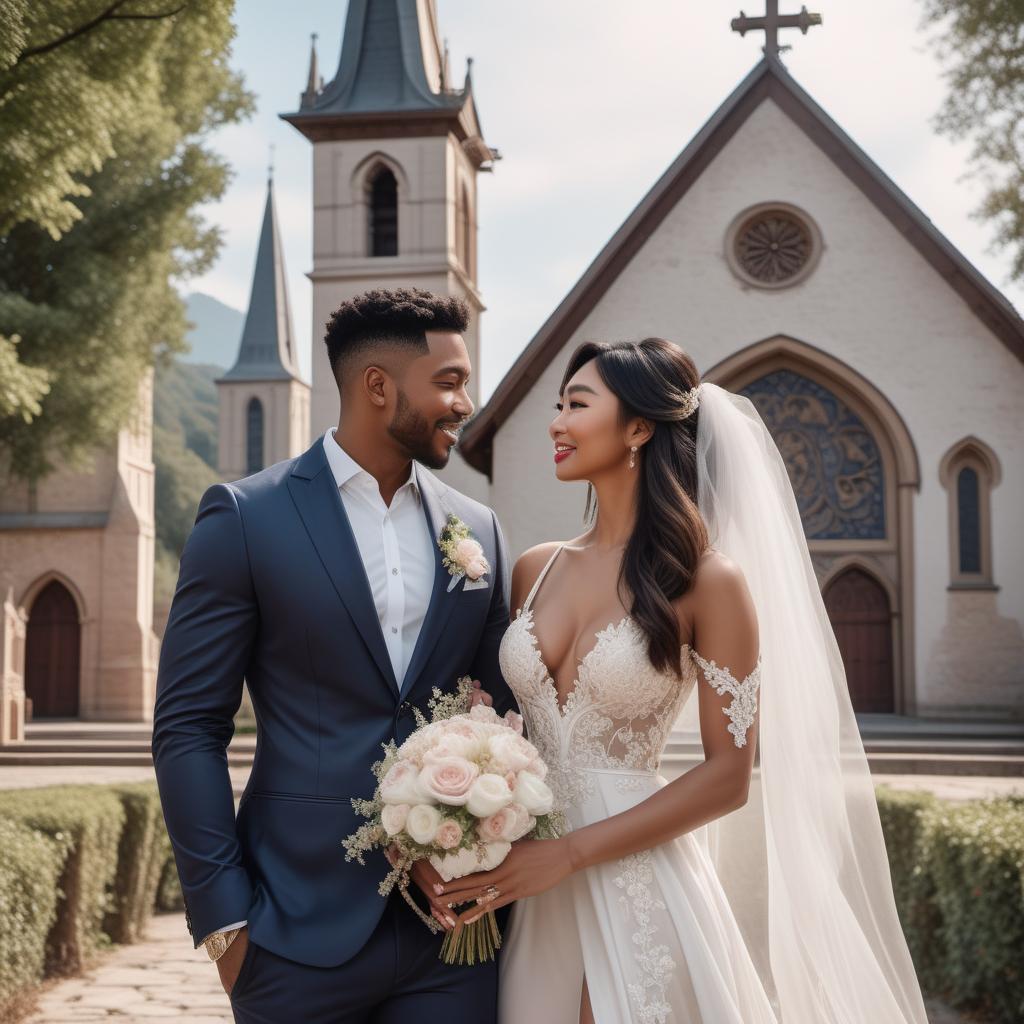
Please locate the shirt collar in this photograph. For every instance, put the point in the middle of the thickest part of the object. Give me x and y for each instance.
(345, 468)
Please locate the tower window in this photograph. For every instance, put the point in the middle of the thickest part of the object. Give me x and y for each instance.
(383, 214)
(254, 436)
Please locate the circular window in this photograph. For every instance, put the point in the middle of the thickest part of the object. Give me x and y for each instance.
(772, 245)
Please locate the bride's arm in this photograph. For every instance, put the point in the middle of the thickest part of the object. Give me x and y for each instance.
(725, 633)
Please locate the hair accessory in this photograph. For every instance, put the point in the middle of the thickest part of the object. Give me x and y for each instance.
(690, 402)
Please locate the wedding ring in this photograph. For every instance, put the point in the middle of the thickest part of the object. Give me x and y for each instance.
(492, 892)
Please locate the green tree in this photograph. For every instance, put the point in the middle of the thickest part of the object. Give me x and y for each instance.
(981, 44)
(88, 260)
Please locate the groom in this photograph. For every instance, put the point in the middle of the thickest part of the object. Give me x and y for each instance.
(320, 581)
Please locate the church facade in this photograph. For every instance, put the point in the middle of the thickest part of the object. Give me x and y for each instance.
(889, 371)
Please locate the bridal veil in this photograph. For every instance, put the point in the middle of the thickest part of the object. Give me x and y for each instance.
(803, 862)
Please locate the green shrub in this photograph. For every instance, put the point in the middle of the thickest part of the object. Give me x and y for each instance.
(29, 869)
(139, 863)
(168, 896)
(958, 878)
(91, 818)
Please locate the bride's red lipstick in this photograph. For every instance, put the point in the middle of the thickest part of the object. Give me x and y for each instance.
(560, 456)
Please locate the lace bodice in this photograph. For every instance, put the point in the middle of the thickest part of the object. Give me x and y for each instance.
(620, 712)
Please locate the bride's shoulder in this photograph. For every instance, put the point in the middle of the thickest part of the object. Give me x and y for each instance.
(719, 589)
(528, 567)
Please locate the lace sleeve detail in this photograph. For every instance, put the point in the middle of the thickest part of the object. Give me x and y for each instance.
(743, 707)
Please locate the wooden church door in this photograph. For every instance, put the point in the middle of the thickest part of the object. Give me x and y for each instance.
(859, 609)
(52, 644)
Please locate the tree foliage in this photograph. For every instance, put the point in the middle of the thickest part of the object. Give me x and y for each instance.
(105, 106)
(981, 43)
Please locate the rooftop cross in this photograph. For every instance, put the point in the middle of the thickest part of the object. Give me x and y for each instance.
(772, 22)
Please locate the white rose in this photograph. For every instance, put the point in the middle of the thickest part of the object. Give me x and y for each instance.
(422, 823)
(534, 794)
(401, 784)
(467, 861)
(488, 795)
(511, 751)
(393, 818)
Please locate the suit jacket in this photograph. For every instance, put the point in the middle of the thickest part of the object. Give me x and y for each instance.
(272, 589)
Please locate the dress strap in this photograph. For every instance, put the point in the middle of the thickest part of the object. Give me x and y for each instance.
(540, 579)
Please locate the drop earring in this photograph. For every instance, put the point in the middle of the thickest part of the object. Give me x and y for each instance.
(632, 457)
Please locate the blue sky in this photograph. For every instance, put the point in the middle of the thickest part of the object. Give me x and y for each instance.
(588, 101)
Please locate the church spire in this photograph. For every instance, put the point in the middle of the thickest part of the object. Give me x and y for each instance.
(267, 350)
(315, 81)
(391, 60)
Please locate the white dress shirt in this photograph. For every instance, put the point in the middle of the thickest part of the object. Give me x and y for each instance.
(397, 549)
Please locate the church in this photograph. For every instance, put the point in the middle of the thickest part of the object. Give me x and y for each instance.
(793, 270)
(773, 249)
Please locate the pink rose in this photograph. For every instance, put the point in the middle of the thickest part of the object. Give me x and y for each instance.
(468, 550)
(449, 780)
(494, 828)
(522, 822)
(449, 834)
(476, 569)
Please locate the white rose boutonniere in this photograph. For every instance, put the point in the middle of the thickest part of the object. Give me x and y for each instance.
(463, 553)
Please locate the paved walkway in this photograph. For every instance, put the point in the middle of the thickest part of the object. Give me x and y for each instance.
(160, 976)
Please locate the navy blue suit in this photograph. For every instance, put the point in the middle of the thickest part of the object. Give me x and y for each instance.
(272, 589)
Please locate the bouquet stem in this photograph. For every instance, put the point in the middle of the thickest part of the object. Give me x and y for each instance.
(473, 943)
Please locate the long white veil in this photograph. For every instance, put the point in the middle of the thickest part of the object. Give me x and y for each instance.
(803, 862)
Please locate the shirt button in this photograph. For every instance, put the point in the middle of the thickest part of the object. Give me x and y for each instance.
(394, 629)
(394, 572)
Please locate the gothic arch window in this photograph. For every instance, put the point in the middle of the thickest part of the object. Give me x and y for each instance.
(969, 471)
(254, 436)
(832, 457)
(382, 200)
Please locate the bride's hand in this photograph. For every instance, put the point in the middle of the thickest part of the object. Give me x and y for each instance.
(532, 866)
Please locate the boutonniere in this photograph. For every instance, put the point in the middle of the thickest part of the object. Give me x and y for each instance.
(463, 554)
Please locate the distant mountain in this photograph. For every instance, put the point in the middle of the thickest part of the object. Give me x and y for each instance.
(218, 330)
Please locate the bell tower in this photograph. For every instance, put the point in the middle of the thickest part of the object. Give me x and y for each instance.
(396, 153)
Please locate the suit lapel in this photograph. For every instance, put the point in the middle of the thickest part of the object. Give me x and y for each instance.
(319, 504)
(442, 601)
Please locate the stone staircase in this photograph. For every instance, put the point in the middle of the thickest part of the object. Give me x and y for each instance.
(894, 745)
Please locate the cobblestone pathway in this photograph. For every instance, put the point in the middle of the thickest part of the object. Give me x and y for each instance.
(161, 976)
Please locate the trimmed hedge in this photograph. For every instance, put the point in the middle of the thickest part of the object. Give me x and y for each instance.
(29, 870)
(958, 877)
(139, 862)
(92, 817)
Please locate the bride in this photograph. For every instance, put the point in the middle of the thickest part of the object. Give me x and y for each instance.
(726, 896)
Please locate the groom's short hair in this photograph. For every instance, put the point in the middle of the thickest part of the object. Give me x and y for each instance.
(389, 318)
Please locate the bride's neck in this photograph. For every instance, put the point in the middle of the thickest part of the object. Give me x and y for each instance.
(616, 514)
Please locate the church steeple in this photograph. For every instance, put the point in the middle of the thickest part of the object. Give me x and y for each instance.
(315, 82)
(267, 351)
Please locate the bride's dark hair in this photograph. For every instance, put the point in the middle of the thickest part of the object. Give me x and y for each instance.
(650, 378)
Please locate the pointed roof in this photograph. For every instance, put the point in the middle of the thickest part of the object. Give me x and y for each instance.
(392, 68)
(768, 80)
(267, 350)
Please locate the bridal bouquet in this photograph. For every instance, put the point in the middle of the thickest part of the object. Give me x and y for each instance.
(458, 792)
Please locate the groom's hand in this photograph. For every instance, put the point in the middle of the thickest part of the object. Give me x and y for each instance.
(480, 695)
(229, 963)
(426, 877)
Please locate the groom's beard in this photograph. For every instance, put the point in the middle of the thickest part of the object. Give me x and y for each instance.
(411, 430)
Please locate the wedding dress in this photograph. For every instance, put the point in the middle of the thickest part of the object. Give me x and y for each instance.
(653, 933)
(781, 911)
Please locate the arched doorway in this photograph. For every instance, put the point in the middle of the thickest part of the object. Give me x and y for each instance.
(859, 609)
(52, 644)
(855, 472)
